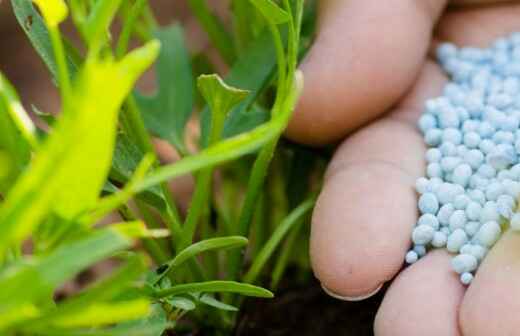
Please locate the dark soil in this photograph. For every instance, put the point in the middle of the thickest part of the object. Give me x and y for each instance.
(306, 311)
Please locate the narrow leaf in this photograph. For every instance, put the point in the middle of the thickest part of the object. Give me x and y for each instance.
(182, 303)
(32, 23)
(35, 278)
(200, 247)
(215, 287)
(271, 11)
(212, 302)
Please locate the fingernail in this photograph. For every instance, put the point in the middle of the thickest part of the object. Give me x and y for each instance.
(351, 298)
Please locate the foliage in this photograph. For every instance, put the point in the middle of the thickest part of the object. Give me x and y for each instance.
(97, 157)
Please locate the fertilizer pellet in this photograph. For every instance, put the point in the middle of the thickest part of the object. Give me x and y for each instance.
(472, 179)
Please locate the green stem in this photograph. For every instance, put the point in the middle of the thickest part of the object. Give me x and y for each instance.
(63, 71)
(216, 31)
(279, 233)
(129, 27)
(198, 204)
(135, 125)
(150, 245)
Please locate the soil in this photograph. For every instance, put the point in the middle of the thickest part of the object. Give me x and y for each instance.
(305, 311)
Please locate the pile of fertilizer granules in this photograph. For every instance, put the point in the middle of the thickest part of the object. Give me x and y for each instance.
(469, 195)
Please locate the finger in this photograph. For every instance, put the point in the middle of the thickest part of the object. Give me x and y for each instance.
(422, 300)
(363, 218)
(492, 302)
(476, 2)
(366, 56)
(478, 26)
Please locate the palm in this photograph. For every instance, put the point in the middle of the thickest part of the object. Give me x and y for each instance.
(363, 219)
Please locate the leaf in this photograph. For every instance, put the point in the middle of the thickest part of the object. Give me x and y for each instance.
(64, 177)
(228, 149)
(244, 120)
(200, 247)
(167, 112)
(271, 11)
(34, 27)
(221, 98)
(15, 147)
(216, 30)
(212, 302)
(181, 303)
(127, 157)
(33, 279)
(17, 113)
(213, 287)
(98, 314)
(252, 72)
(54, 11)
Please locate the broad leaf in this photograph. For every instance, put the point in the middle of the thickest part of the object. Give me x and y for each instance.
(64, 177)
(167, 112)
(221, 98)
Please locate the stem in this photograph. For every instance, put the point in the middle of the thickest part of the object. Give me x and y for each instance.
(135, 125)
(279, 233)
(63, 71)
(150, 245)
(198, 203)
(129, 26)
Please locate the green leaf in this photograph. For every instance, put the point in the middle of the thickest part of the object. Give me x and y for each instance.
(14, 136)
(98, 314)
(167, 112)
(64, 177)
(215, 29)
(251, 72)
(214, 287)
(210, 300)
(200, 247)
(32, 280)
(221, 98)
(231, 148)
(127, 157)
(181, 303)
(271, 11)
(17, 113)
(34, 27)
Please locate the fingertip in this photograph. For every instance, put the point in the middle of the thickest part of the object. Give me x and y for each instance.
(423, 300)
(364, 59)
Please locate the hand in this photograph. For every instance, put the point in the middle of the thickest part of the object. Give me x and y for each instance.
(370, 67)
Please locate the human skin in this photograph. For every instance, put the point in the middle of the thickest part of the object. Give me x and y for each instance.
(367, 77)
